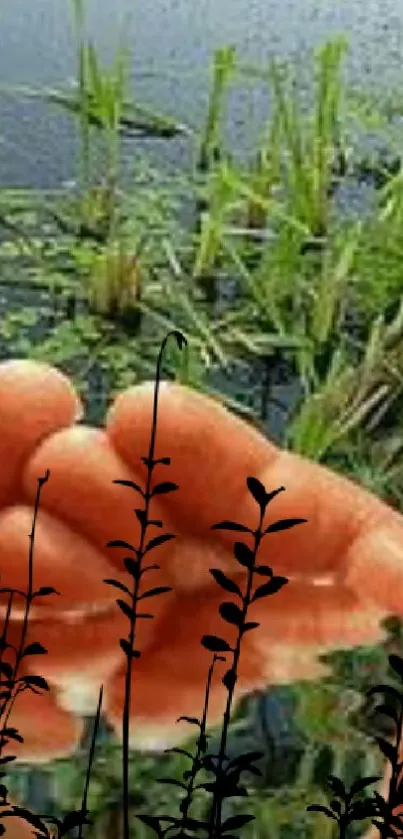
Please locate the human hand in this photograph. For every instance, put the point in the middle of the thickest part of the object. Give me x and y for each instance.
(344, 564)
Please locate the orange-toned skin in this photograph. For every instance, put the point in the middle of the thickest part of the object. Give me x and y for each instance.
(352, 544)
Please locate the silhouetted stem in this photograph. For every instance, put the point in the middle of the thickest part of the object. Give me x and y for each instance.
(28, 601)
(132, 632)
(215, 822)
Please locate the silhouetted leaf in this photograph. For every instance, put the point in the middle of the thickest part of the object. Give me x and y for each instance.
(44, 591)
(120, 543)
(34, 682)
(153, 822)
(244, 555)
(320, 808)
(244, 760)
(162, 488)
(263, 570)
(126, 609)
(172, 782)
(31, 818)
(158, 540)
(272, 587)
(361, 783)
(337, 786)
(133, 566)
(258, 492)
(12, 734)
(141, 515)
(388, 711)
(150, 463)
(224, 581)
(387, 689)
(248, 626)
(231, 613)
(283, 524)
(234, 822)
(7, 669)
(154, 591)
(178, 751)
(7, 759)
(127, 649)
(215, 644)
(386, 748)
(156, 522)
(145, 615)
(119, 585)
(396, 662)
(34, 649)
(190, 720)
(132, 485)
(74, 819)
(229, 679)
(335, 806)
(231, 525)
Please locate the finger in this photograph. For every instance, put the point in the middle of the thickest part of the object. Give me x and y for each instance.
(82, 493)
(81, 655)
(338, 512)
(35, 401)
(211, 450)
(296, 625)
(62, 559)
(16, 827)
(48, 732)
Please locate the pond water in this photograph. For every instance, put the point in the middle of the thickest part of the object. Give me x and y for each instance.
(172, 42)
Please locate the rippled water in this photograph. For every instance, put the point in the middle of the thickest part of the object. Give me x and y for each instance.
(176, 36)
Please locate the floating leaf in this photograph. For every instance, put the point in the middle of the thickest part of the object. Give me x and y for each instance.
(272, 587)
(215, 644)
(244, 555)
(231, 613)
(225, 582)
(283, 524)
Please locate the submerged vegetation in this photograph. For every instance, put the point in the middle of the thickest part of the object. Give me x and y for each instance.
(291, 307)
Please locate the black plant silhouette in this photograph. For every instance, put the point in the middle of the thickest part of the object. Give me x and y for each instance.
(13, 685)
(134, 567)
(343, 809)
